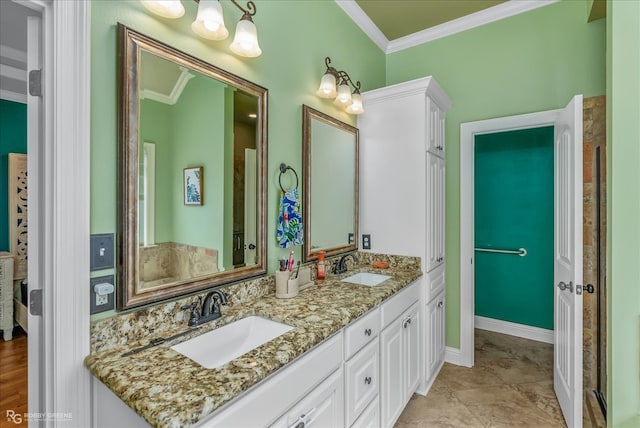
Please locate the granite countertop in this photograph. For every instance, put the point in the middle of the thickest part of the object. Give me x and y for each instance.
(168, 389)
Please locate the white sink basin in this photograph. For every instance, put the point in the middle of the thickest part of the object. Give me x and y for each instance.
(217, 347)
(366, 278)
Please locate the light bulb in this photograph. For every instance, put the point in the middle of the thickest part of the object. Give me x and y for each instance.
(344, 94)
(245, 42)
(356, 104)
(209, 22)
(327, 87)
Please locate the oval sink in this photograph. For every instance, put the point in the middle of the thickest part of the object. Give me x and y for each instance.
(217, 347)
(366, 278)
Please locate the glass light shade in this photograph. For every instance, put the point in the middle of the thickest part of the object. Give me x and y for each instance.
(245, 42)
(356, 106)
(327, 87)
(165, 8)
(344, 95)
(209, 22)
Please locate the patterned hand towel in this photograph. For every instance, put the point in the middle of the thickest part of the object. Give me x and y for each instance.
(289, 233)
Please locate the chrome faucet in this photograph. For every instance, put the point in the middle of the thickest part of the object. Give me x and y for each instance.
(210, 309)
(341, 266)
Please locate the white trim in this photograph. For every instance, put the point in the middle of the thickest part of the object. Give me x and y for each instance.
(13, 54)
(422, 85)
(453, 356)
(13, 96)
(172, 98)
(15, 73)
(514, 329)
(60, 167)
(468, 131)
(424, 388)
(365, 23)
(486, 16)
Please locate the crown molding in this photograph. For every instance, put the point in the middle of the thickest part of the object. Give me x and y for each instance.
(486, 16)
(365, 23)
(173, 97)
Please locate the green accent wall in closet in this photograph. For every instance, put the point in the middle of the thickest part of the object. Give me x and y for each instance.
(514, 209)
(13, 135)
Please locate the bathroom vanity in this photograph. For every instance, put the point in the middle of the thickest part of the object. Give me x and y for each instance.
(353, 358)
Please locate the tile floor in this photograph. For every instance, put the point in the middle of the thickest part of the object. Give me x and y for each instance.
(511, 385)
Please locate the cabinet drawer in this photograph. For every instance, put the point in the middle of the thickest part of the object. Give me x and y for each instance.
(435, 282)
(361, 380)
(394, 307)
(361, 332)
(370, 418)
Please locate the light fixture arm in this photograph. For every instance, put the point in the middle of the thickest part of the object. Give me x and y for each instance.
(341, 75)
(249, 11)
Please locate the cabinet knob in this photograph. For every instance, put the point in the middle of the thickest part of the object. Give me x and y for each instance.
(367, 380)
(440, 303)
(367, 332)
(406, 323)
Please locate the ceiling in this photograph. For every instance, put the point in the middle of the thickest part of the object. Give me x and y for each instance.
(400, 18)
(395, 25)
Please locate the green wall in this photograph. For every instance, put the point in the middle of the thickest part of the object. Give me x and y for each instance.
(623, 213)
(514, 208)
(530, 62)
(295, 37)
(13, 136)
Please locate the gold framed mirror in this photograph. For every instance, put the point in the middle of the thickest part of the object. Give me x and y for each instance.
(330, 170)
(192, 156)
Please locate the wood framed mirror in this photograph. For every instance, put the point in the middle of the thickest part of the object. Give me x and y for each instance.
(192, 156)
(330, 164)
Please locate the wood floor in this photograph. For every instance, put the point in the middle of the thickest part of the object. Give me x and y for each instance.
(13, 380)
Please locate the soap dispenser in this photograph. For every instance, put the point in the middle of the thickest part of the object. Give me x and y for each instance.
(321, 266)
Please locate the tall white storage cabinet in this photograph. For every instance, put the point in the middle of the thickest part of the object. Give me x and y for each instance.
(402, 167)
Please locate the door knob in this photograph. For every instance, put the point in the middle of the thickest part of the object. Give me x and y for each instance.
(564, 286)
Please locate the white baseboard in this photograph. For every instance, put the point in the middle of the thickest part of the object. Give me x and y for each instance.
(513, 329)
(453, 356)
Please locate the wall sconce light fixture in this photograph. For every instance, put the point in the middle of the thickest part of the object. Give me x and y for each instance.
(209, 23)
(337, 84)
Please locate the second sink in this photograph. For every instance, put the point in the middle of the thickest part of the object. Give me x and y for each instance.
(217, 347)
(366, 278)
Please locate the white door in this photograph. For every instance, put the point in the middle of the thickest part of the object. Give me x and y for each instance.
(250, 206)
(567, 372)
(34, 196)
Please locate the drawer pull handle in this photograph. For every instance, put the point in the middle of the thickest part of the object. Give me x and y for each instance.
(367, 332)
(406, 323)
(367, 380)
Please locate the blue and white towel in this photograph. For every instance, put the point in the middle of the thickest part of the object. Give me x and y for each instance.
(289, 232)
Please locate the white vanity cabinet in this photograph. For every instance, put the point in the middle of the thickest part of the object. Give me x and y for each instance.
(400, 353)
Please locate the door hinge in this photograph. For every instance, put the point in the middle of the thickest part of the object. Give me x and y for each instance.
(35, 302)
(35, 83)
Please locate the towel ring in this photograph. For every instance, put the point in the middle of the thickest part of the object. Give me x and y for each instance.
(283, 169)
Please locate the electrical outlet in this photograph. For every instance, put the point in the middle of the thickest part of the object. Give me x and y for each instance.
(350, 238)
(101, 294)
(366, 242)
(101, 251)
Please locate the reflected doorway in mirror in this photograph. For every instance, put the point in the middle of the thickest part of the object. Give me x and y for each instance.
(193, 186)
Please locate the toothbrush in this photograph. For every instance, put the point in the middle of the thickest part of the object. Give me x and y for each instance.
(297, 270)
(290, 267)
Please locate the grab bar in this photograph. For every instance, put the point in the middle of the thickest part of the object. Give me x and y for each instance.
(520, 251)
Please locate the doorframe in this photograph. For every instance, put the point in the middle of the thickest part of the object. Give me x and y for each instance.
(59, 384)
(468, 131)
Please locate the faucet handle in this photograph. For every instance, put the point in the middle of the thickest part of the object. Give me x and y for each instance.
(194, 316)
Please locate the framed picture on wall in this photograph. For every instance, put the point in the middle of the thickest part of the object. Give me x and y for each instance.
(193, 185)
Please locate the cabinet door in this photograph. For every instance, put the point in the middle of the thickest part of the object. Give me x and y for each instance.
(361, 381)
(391, 374)
(434, 131)
(322, 407)
(411, 345)
(435, 335)
(435, 212)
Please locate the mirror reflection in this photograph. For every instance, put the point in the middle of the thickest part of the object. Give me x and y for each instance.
(331, 184)
(194, 164)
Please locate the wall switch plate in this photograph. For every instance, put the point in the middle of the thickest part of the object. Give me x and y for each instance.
(102, 254)
(350, 238)
(366, 241)
(101, 302)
